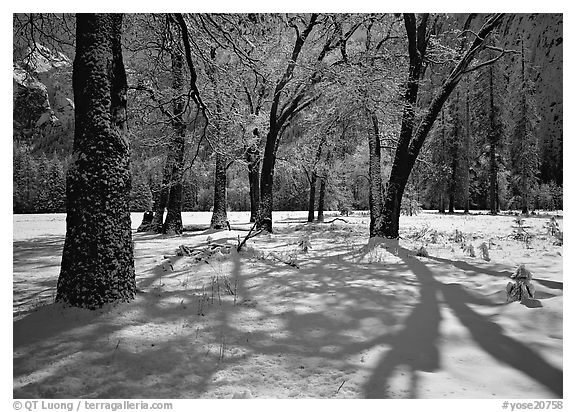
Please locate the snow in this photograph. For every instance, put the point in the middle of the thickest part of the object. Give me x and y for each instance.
(346, 320)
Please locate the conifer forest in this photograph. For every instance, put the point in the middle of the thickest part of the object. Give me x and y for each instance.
(277, 205)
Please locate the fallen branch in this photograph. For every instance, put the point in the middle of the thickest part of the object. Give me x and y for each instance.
(335, 219)
(248, 236)
(340, 387)
(286, 262)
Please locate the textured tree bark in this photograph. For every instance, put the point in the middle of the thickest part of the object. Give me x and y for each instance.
(321, 196)
(219, 216)
(312, 196)
(97, 261)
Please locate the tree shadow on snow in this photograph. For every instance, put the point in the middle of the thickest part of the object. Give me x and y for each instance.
(324, 316)
(465, 266)
(415, 346)
(37, 250)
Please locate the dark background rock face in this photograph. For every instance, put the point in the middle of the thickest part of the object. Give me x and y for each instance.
(543, 36)
(43, 106)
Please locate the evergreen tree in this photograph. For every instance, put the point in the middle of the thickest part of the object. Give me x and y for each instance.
(56, 186)
(140, 195)
(524, 152)
(43, 195)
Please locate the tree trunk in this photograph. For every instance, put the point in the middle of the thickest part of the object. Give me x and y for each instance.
(441, 203)
(253, 160)
(173, 223)
(375, 178)
(409, 146)
(312, 197)
(401, 166)
(98, 260)
(279, 117)
(454, 145)
(162, 200)
(219, 216)
(264, 216)
(523, 115)
(466, 182)
(493, 139)
(321, 196)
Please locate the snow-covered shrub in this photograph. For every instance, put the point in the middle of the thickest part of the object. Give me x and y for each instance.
(522, 287)
(457, 237)
(553, 229)
(469, 250)
(519, 231)
(304, 243)
(419, 233)
(484, 251)
(422, 252)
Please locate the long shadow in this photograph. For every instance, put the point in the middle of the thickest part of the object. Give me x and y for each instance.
(415, 346)
(492, 339)
(38, 248)
(418, 338)
(552, 284)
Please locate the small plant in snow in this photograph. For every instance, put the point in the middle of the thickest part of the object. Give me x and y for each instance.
(458, 236)
(519, 231)
(419, 233)
(553, 228)
(304, 243)
(222, 350)
(469, 250)
(491, 243)
(375, 256)
(522, 287)
(422, 252)
(202, 300)
(166, 265)
(484, 251)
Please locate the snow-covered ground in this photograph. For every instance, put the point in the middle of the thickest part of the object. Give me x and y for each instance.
(342, 320)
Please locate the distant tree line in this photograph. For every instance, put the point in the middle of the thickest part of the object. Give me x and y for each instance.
(39, 186)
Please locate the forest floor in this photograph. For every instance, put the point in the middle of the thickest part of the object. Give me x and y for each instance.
(343, 320)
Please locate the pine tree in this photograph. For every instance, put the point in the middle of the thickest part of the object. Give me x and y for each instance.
(43, 195)
(24, 182)
(523, 135)
(140, 195)
(57, 186)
